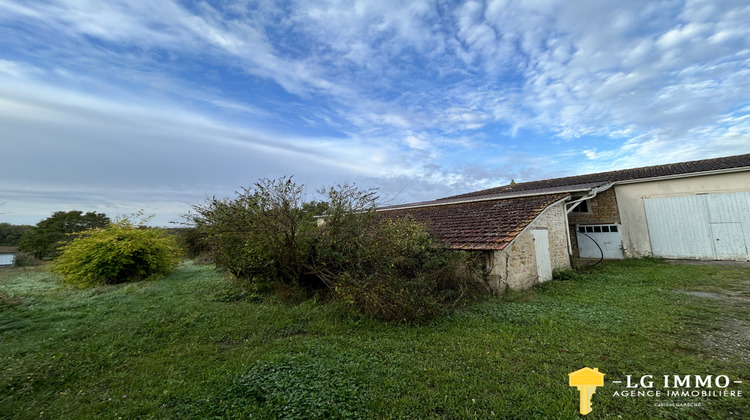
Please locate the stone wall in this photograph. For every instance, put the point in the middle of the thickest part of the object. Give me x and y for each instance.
(515, 266)
(602, 210)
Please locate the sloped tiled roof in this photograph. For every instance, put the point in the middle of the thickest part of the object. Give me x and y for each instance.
(498, 196)
(603, 178)
(490, 224)
(490, 219)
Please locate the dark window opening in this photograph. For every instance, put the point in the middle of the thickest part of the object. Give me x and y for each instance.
(598, 229)
(582, 207)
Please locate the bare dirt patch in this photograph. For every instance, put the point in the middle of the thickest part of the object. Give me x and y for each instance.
(722, 263)
(731, 338)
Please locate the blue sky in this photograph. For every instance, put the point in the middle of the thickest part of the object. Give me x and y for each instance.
(123, 105)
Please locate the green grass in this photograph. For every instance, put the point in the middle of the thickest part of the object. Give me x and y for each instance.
(186, 347)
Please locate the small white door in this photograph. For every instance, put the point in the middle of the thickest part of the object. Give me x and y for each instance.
(728, 240)
(541, 249)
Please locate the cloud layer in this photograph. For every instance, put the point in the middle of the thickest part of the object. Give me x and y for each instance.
(123, 104)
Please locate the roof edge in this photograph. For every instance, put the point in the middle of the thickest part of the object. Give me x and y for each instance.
(685, 175)
(525, 228)
(521, 194)
(724, 164)
(496, 197)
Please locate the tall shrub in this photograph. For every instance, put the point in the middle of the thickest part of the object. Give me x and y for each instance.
(388, 269)
(345, 231)
(264, 232)
(397, 272)
(118, 253)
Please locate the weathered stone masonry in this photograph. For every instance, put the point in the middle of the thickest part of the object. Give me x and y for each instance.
(515, 266)
(602, 209)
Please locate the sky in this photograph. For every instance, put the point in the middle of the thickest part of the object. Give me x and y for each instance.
(116, 106)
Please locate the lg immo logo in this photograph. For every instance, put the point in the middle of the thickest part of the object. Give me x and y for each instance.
(586, 380)
(667, 389)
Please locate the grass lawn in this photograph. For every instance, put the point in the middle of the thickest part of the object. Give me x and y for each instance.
(185, 347)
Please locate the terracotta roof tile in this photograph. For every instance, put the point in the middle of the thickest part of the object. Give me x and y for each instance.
(490, 224)
(601, 178)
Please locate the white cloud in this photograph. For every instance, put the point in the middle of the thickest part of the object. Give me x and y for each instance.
(421, 90)
(597, 59)
(16, 69)
(103, 153)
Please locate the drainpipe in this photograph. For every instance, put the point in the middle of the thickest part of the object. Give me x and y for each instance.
(567, 234)
(573, 204)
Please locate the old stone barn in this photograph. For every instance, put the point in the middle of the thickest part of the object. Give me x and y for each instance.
(692, 210)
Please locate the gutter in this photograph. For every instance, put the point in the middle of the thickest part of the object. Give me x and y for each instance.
(592, 193)
(475, 200)
(573, 204)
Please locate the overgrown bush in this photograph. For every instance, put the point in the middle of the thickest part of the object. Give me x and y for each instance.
(121, 252)
(194, 244)
(27, 260)
(264, 232)
(388, 269)
(397, 272)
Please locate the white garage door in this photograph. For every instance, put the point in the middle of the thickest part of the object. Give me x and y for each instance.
(595, 241)
(703, 226)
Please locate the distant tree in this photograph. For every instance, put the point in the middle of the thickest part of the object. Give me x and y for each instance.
(11, 234)
(193, 243)
(315, 208)
(44, 240)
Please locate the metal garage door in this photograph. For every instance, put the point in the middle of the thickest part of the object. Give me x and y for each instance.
(703, 226)
(595, 241)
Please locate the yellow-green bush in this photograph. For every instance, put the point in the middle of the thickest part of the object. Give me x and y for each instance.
(118, 253)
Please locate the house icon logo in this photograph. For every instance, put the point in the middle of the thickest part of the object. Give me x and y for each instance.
(586, 380)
